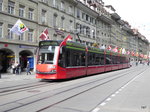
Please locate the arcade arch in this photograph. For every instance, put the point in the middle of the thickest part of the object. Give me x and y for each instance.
(24, 57)
(7, 57)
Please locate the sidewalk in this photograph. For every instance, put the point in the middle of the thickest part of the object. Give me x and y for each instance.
(14, 77)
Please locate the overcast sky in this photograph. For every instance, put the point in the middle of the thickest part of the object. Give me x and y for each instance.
(136, 12)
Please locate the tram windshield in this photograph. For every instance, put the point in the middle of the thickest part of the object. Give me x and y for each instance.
(48, 54)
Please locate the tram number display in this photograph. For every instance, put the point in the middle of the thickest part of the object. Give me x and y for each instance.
(48, 43)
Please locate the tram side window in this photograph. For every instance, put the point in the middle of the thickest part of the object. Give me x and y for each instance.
(78, 58)
(101, 59)
(68, 58)
(118, 59)
(124, 60)
(114, 59)
(97, 59)
(82, 58)
(75, 58)
(121, 60)
(108, 59)
(90, 58)
(61, 61)
(127, 60)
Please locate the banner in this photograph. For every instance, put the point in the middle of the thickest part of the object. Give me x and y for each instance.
(19, 28)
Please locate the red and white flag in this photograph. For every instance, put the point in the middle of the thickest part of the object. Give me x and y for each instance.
(109, 48)
(44, 35)
(128, 52)
(115, 49)
(65, 40)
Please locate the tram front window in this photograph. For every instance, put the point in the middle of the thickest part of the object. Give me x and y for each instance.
(47, 54)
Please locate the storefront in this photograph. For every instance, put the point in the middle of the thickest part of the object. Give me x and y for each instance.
(12, 53)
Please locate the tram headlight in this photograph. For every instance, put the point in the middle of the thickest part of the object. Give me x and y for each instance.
(53, 71)
(37, 71)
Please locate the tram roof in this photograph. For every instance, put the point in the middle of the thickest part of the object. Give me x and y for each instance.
(80, 45)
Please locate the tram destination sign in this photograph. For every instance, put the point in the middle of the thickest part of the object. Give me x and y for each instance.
(48, 43)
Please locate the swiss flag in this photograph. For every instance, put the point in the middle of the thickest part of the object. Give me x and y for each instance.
(109, 48)
(115, 49)
(44, 35)
(128, 52)
(65, 40)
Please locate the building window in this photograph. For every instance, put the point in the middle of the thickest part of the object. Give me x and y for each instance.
(62, 21)
(70, 9)
(1, 5)
(30, 35)
(78, 13)
(83, 16)
(1, 30)
(84, 30)
(10, 34)
(55, 20)
(91, 19)
(88, 31)
(43, 16)
(21, 10)
(11, 6)
(55, 3)
(62, 6)
(87, 17)
(78, 27)
(93, 34)
(21, 37)
(44, 1)
(71, 27)
(30, 14)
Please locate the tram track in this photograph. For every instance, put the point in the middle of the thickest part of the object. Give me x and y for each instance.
(112, 78)
(22, 87)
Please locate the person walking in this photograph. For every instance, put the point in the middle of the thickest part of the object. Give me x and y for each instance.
(17, 68)
(13, 68)
(28, 68)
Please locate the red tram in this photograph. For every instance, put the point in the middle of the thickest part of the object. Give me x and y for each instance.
(74, 60)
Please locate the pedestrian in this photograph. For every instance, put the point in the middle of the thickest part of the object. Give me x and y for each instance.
(17, 65)
(148, 63)
(13, 68)
(28, 68)
(136, 63)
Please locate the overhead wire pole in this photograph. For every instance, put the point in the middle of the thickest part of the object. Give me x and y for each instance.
(76, 32)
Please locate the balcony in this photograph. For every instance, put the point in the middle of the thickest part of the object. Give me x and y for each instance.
(121, 22)
(105, 18)
(115, 16)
